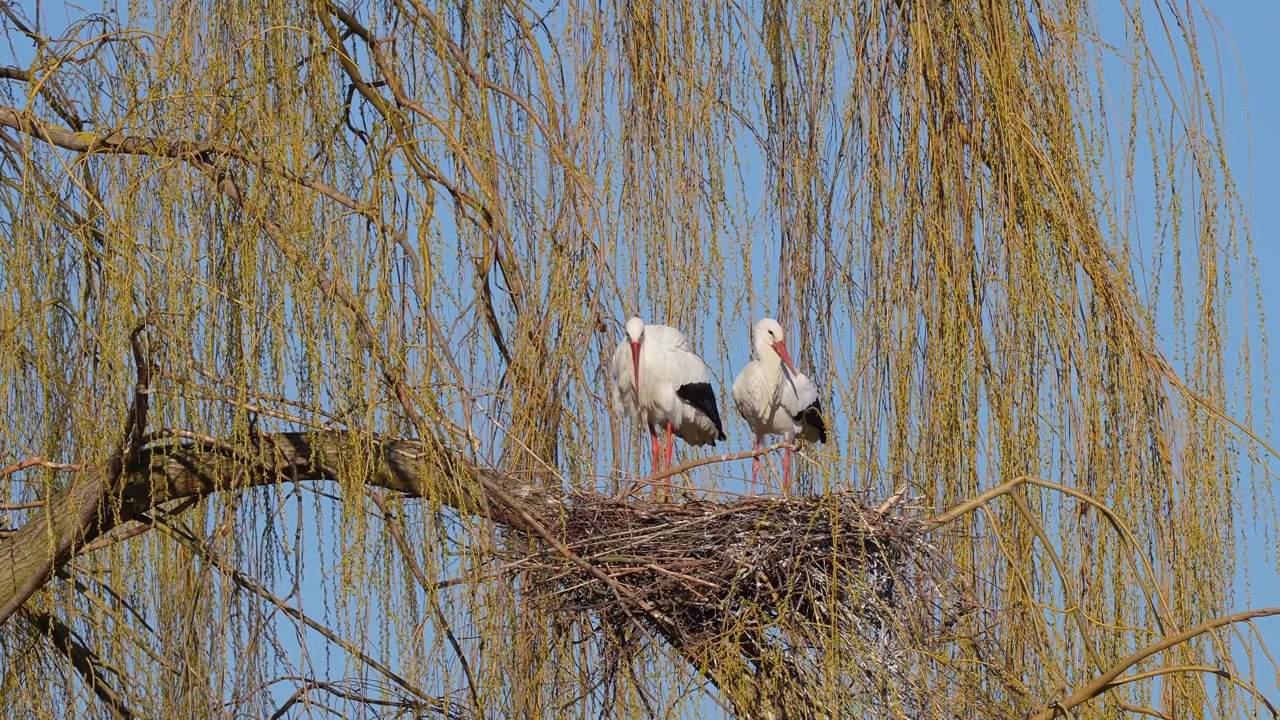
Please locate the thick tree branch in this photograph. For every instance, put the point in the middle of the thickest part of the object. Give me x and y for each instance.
(166, 473)
(76, 515)
(29, 557)
(93, 505)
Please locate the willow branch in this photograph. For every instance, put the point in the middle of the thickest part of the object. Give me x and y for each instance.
(82, 659)
(93, 505)
(1111, 678)
(686, 467)
(194, 545)
(175, 149)
(397, 532)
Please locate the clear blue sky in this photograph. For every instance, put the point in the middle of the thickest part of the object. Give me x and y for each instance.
(1250, 107)
(1255, 149)
(1255, 156)
(1249, 37)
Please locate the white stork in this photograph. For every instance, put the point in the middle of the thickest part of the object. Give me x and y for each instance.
(660, 382)
(775, 399)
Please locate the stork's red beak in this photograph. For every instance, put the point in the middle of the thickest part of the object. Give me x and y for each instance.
(635, 363)
(781, 349)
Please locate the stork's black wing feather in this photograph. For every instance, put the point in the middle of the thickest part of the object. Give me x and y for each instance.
(702, 397)
(812, 416)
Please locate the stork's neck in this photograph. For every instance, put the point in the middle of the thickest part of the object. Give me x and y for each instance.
(769, 357)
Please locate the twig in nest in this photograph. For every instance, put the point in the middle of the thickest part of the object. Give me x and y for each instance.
(789, 583)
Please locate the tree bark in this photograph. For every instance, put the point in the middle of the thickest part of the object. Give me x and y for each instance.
(165, 473)
(90, 506)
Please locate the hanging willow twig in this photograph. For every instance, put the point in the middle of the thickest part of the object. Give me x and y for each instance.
(415, 221)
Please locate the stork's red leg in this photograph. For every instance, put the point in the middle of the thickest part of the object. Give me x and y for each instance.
(755, 464)
(671, 445)
(653, 435)
(786, 470)
(657, 454)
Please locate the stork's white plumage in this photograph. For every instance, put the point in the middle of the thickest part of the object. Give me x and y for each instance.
(776, 399)
(660, 382)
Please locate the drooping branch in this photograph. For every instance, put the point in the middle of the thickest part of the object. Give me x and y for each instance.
(165, 472)
(1111, 678)
(82, 659)
(75, 516)
(184, 538)
(173, 149)
(93, 504)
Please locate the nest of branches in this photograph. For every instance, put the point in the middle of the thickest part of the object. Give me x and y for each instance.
(818, 592)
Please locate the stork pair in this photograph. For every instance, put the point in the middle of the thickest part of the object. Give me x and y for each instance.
(660, 382)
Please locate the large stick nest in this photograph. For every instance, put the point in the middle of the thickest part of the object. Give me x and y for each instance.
(809, 590)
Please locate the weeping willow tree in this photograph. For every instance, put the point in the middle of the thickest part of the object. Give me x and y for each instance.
(307, 307)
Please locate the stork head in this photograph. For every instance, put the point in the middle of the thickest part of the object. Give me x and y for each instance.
(768, 340)
(635, 336)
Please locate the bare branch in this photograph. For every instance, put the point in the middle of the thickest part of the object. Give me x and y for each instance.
(176, 149)
(82, 659)
(1111, 677)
